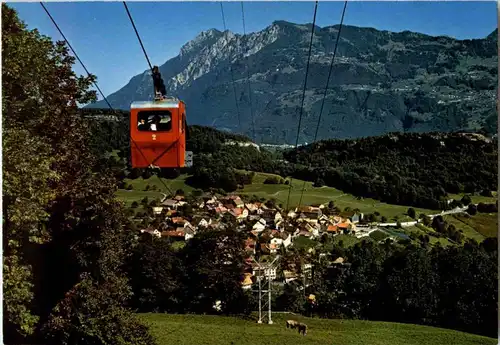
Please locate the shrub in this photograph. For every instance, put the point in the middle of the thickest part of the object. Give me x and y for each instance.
(272, 180)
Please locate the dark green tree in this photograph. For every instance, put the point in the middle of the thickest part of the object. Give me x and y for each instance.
(412, 213)
(154, 271)
(472, 209)
(214, 267)
(59, 205)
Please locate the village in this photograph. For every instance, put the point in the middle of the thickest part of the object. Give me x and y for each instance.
(270, 229)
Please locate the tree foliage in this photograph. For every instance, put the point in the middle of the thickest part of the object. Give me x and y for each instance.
(214, 265)
(407, 169)
(412, 284)
(63, 230)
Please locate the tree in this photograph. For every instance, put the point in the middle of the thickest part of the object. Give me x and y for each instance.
(412, 213)
(146, 174)
(319, 183)
(70, 218)
(490, 244)
(197, 192)
(186, 210)
(487, 208)
(213, 174)
(154, 270)
(409, 286)
(272, 180)
(214, 267)
(102, 318)
(413, 283)
(457, 307)
(271, 203)
(426, 220)
(486, 192)
(439, 224)
(291, 299)
(472, 209)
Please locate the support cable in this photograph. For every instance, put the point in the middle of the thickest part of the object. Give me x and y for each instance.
(303, 96)
(89, 75)
(248, 73)
(326, 89)
(232, 73)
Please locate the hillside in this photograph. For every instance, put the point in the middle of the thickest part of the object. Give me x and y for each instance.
(278, 192)
(208, 330)
(382, 81)
(478, 227)
(412, 169)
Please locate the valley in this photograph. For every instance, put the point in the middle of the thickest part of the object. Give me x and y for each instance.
(382, 231)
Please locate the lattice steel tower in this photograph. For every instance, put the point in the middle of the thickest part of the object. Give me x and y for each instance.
(264, 279)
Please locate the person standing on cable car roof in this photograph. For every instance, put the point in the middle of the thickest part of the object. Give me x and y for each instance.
(158, 82)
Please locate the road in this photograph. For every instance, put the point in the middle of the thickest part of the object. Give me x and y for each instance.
(443, 213)
(365, 232)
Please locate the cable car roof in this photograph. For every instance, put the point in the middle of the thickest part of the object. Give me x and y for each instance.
(166, 103)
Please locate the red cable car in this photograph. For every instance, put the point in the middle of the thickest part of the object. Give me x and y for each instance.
(158, 133)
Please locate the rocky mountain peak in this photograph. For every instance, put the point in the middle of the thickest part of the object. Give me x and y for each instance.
(203, 38)
(381, 82)
(493, 36)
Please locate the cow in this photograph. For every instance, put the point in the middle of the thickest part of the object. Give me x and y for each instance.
(291, 324)
(302, 328)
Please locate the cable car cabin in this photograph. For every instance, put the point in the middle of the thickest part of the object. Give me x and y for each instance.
(158, 133)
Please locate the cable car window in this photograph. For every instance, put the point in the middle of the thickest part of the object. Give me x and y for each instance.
(157, 120)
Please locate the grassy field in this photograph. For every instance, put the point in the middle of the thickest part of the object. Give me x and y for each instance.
(379, 235)
(210, 330)
(483, 224)
(476, 199)
(139, 184)
(313, 195)
(304, 242)
(423, 230)
(347, 240)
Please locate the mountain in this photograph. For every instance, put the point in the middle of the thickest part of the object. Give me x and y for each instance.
(381, 82)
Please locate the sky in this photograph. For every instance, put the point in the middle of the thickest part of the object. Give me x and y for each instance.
(104, 39)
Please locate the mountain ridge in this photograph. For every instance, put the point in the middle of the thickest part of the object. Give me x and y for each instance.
(381, 81)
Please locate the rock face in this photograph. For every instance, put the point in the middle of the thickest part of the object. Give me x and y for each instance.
(381, 81)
